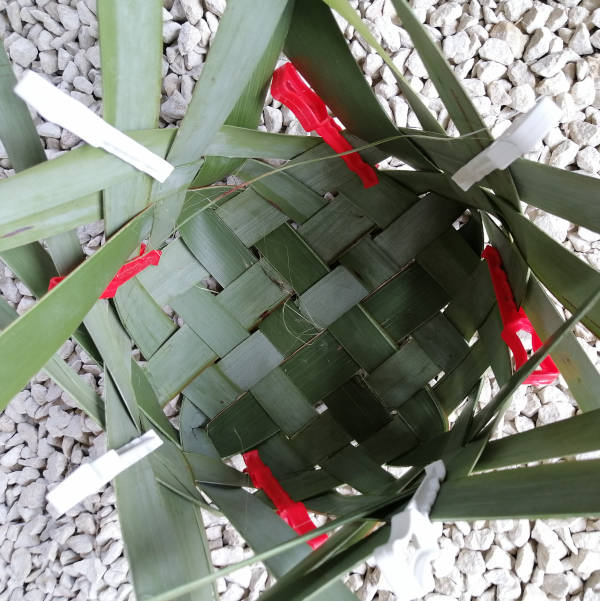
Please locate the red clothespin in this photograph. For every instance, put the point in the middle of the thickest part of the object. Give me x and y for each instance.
(293, 513)
(128, 271)
(290, 89)
(515, 320)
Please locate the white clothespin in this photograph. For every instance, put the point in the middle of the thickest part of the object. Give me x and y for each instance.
(91, 477)
(409, 572)
(521, 137)
(62, 109)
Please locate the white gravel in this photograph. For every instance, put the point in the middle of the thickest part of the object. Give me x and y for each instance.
(507, 54)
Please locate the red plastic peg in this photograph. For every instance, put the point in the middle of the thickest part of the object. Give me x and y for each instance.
(291, 512)
(128, 271)
(290, 89)
(515, 320)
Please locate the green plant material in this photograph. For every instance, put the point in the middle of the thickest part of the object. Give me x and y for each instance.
(567, 437)
(131, 87)
(247, 111)
(547, 187)
(559, 490)
(173, 550)
(567, 277)
(63, 375)
(17, 131)
(574, 364)
(318, 49)
(424, 115)
(236, 48)
(501, 401)
(39, 333)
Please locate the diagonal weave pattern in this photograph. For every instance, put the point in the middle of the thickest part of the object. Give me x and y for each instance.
(323, 346)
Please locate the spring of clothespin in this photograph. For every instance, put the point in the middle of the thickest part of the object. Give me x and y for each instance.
(90, 477)
(290, 89)
(515, 320)
(294, 513)
(409, 571)
(125, 273)
(62, 109)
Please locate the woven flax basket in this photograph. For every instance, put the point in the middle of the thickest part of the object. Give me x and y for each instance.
(332, 328)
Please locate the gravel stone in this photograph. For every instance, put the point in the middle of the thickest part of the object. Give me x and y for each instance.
(564, 154)
(20, 565)
(522, 98)
(23, 52)
(81, 543)
(524, 562)
(588, 159)
(497, 50)
(225, 556)
(174, 108)
(512, 35)
(536, 17)
(585, 563)
(580, 41)
(33, 495)
(556, 584)
(470, 562)
(68, 17)
(551, 64)
(539, 44)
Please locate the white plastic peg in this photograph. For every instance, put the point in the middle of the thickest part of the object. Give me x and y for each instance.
(521, 137)
(89, 478)
(60, 108)
(408, 571)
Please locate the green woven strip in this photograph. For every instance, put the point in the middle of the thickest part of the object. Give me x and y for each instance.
(381, 203)
(354, 466)
(211, 391)
(449, 260)
(241, 427)
(467, 310)
(216, 247)
(292, 257)
(336, 504)
(453, 388)
(321, 176)
(335, 227)
(146, 323)
(393, 439)
(177, 363)
(310, 483)
(442, 342)
(251, 361)
(369, 263)
(257, 291)
(210, 320)
(282, 459)
(498, 357)
(357, 409)
(283, 401)
(320, 367)
(331, 297)
(417, 227)
(364, 339)
(250, 216)
(287, 328)
(403, 374)
(320, 439)
(177, 271)
(423, 414)
(282, 190)
(406, 301)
